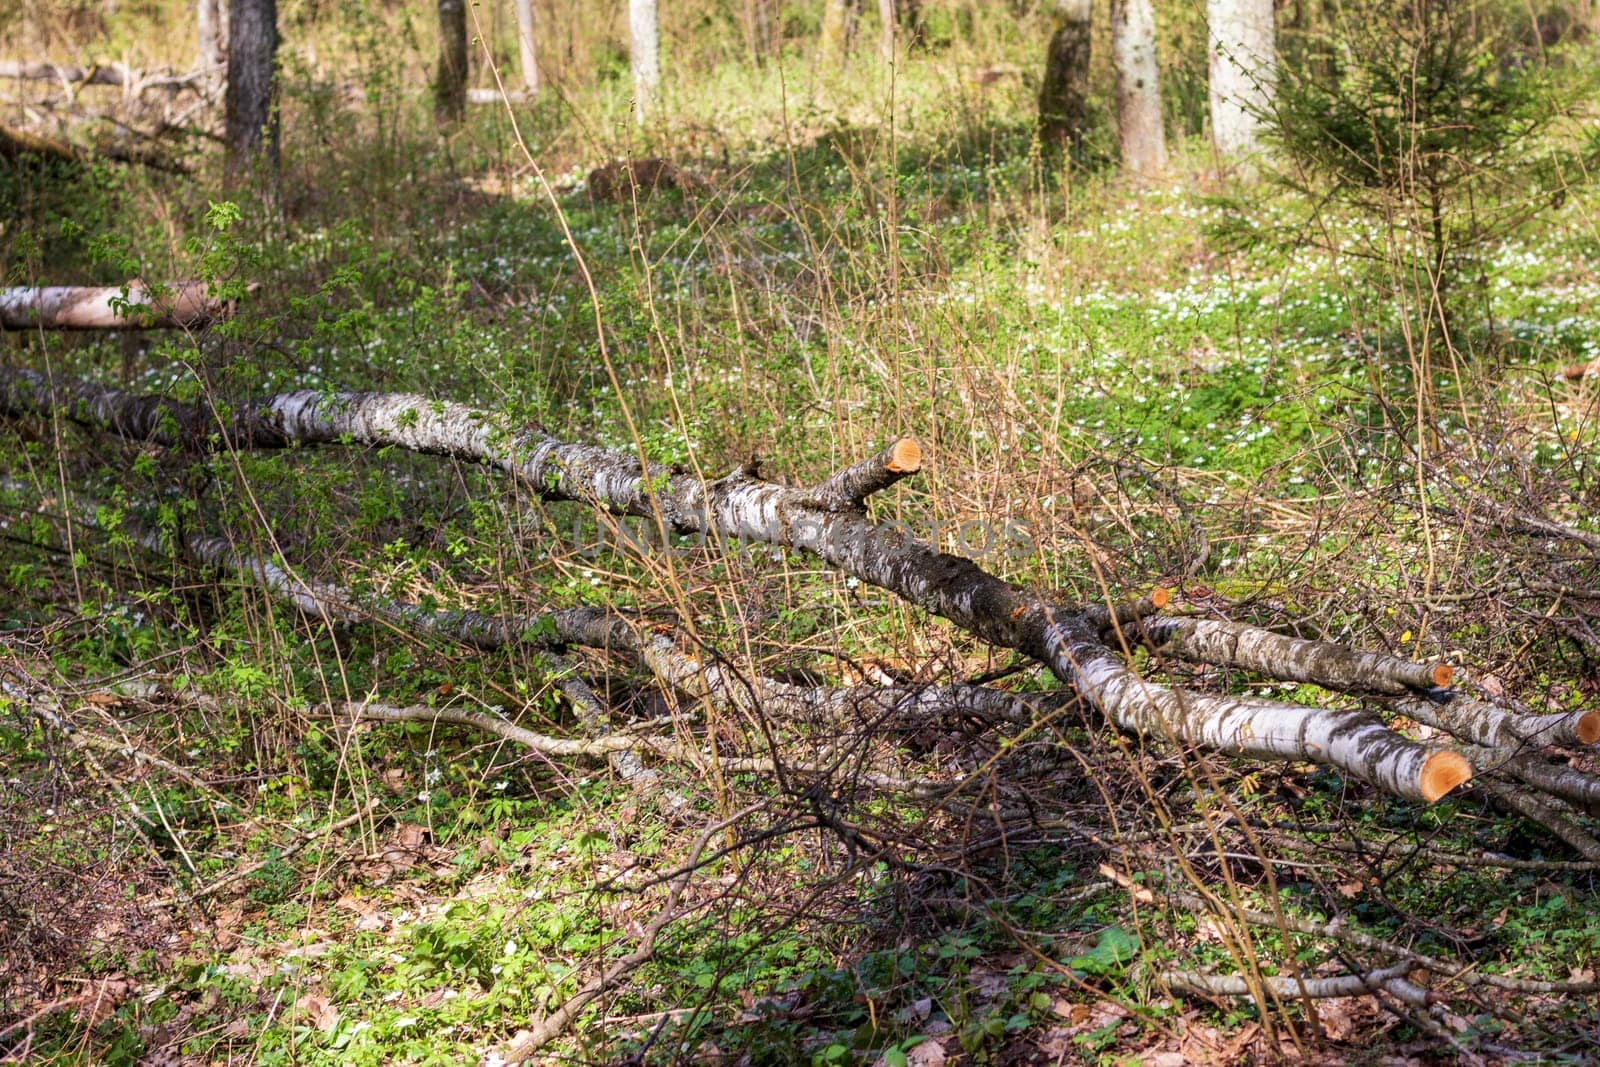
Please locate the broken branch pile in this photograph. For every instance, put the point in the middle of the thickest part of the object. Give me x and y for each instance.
(1081, 644)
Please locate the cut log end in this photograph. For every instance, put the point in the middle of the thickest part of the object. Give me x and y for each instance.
(1442, 772)
(1587, 728)
(1443, 675)
(905, 456)
(1160, 598)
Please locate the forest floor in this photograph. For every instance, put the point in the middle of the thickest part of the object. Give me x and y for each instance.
(1112, 398)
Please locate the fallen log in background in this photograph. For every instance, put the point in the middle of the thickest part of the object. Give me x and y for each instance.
(18, 143)
(828, 520)
(131, 307)
(134, 81)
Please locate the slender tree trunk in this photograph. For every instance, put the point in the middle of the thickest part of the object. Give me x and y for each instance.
(252, 118)
(530, 60)
(1064, 93)
(646, 55)
(760, 33)
(1244, 71)
(213, 33)
(1133, 53)
(450, 81)
(886, 27)
(839, 21)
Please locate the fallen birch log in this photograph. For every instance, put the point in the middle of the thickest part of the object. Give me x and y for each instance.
(131, 307)
(828, 521)
(135, 81)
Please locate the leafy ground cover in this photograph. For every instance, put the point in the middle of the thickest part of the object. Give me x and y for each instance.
(1096, 376)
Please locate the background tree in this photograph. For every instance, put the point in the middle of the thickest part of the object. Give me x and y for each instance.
(450, 81)
(1064, 92)
(1133, 54)
(840, 18)
(1244, 70)
(529, 59)
(213, 34)
(251, 122)
(645, 54)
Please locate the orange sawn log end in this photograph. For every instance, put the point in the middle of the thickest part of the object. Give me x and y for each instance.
(905, 456)
(1588, 728)
(1442, 772)
(1160, 598)
(1443, 675)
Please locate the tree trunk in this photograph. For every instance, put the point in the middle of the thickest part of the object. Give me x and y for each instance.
(213, 33)
(759, 31)
(450, 79)
(530, 60)
(646, 57)
(109, 308)
(840, 18)
(1064, 93)
(1244, 71)
(886, 28)
(252, 115)
(827, 520)
(1133, 53)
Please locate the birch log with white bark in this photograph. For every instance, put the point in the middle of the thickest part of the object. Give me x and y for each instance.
(1133, 55)
(1244, 71)
(826, 521)
(108, 307)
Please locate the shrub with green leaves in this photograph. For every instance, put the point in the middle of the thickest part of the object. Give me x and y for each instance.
(1440, 127)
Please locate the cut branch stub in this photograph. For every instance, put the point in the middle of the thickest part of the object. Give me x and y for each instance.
(850, 487)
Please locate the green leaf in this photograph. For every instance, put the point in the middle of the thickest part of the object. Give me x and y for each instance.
(1115, 948)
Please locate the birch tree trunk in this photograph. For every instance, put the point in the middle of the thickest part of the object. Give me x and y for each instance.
(213, 34)
(450, 80)
(646, 56)
(1064, 93)
(529, 59)
(1133, 54)
(1244, 71)
(251, 123)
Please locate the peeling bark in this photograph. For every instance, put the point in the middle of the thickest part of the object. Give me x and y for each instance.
(1065, 637)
